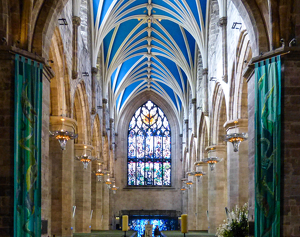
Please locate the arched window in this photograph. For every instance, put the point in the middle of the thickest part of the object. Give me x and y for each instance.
(149, 147)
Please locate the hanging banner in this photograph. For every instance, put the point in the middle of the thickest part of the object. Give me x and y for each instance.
(267, 147)
(27, 147)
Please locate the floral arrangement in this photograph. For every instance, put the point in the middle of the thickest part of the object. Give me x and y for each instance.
(237, 223)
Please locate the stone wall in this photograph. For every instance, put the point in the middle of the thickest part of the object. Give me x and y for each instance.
(290, 145)
(6, 142)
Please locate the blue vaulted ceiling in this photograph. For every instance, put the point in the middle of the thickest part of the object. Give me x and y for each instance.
(149, 45)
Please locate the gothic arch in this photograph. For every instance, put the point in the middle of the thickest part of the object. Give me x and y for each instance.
(122, 129)
(96, 138)
(219, 116)
(44, 25)
(59, 85)
(254, 24)
(81, 114)
(238, 104)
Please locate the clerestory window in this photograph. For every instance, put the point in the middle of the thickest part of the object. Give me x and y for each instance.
(149, 147)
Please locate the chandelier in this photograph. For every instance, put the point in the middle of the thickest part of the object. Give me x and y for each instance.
(212, 161)
(99, 174)
(183, 189)
(63, 135)
(197, 174)
(108, 182)
(114, 188)
(85, 159)
(189, 183)
(236, 138)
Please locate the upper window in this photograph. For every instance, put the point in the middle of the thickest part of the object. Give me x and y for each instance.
(149, 147)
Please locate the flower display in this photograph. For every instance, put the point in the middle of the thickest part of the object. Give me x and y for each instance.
(236, 224)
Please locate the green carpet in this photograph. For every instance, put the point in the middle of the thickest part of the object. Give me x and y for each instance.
(104, 233)
(190, 234)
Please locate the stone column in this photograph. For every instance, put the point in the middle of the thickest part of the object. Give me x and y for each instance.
(205, 92)
(97, 201)
(104, 107)
(223, 24)
(76, 23)
(94, 79)
(237, 166)
(194, 103)
(186, 122)
(217, 188)
(105, 208)
(82, 186)
(46, 166)
(202, 200)
(191, 205)
(62, 179)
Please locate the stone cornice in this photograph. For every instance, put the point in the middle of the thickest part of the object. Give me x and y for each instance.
(68, 124)
(241, 123)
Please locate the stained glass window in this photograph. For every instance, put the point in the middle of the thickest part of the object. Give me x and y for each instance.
(149, 147)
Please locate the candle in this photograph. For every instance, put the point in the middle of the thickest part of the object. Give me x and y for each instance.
(184, 223)
(125, 223)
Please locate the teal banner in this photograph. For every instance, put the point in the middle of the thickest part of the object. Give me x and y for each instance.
(267, 147)
(27, 147)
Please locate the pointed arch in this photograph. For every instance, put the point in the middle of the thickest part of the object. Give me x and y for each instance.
(238, 104)
(219, 116)
(60, 103)
(81, 114)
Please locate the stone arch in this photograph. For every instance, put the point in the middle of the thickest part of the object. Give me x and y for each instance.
(122, 128)
(96, 138)
(254, 24)
(45, 24)
(238, 104)
(219, 116)
(59, 85)
(203, 137)
(81, 114)
(193, 152)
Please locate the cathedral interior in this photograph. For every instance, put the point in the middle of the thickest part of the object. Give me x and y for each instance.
(151, 109)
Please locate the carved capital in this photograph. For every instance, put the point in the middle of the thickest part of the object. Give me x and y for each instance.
(74, 75)
(222, 21)
(94, 70)
(93, 111)
(204, 71)
(76, 20)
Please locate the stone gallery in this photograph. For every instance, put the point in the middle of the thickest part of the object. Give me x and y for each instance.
(148, 110)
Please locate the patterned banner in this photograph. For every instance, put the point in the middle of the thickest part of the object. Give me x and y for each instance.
(267, 144)
(27, 147)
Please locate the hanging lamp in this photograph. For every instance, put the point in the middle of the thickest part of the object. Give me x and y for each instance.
(236, 138)
(99, 174)
(114, 188)
(63, 135)
(84, 158)
(108, 182)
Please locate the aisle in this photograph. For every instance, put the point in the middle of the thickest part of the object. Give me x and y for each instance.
(106, 233)
(190, 234)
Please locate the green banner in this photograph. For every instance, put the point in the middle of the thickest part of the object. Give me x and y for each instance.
(27, 147)
(267, 147)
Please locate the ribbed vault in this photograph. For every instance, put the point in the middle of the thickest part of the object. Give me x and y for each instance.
(149, 45)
